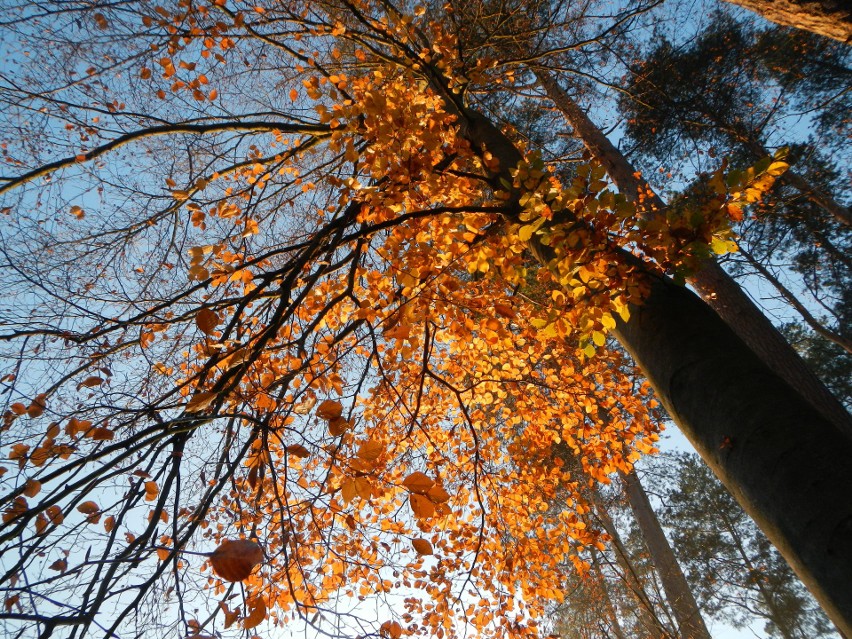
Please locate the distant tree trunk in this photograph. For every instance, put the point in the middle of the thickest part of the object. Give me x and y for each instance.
(712, 283)
(611, 612)
(829, 18)
(678, 594)
(647, 616)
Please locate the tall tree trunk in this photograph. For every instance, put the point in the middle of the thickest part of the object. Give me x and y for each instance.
(712, 283)
(646, 613)
(829, 18)
(787, 465)
(678, 594)
(611, 612)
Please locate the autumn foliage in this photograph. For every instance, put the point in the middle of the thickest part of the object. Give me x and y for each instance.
(319, 331)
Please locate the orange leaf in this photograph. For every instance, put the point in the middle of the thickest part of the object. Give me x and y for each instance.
(37, 407)
(363, 487)
(234, 560)
(151, 490)
(421, 506)
(391, 629)
(329, 410)
(422, 546)
(298, 450)
(91, 382)
(60, 565)
(370, 450)
(348, 490)
(88, 508)
(230, 615)
(418, 482)
(207, 321)
(257, 614)
(438, 495)
(336, 427)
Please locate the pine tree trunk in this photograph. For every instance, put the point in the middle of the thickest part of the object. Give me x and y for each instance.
(678, 594)
(787, 465)
(646, 613)
(712, 283)
(829, 18)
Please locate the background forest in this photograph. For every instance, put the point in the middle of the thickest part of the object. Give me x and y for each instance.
(362, 318)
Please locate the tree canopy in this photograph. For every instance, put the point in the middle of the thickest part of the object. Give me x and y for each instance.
(285, 290)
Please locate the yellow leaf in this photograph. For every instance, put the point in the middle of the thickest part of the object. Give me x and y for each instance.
(598, 338)
(419, 483)
(422, 546)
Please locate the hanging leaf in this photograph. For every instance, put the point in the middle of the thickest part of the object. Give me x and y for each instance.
(421, 506)
(32, 487)
(91, 382)
(151, 490)
(200, 401)
(418, 482)
(438, 495)
(329, 410)
(257, 614)
(207, 321)
(298, 450)
(234, 560)
(37, 407)
(336, 427)
(422, 546)
(370, 450)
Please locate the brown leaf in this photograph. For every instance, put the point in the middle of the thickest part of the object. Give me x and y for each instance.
(329, 409)
(336, 427)
(200, 401)
(151, 490)
(298, 450)
(91, 382)
(370, 450)
(234, 560)
(422, 546)
(207, 321)
(438, 495)
(418, 482)
(32, 487)
(37, 407)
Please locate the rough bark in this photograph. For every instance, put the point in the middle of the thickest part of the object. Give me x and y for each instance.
(787, 465)
(712, 283)
(829, 18)
(685, 608)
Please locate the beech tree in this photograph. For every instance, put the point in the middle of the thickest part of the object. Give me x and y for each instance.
(276, 292)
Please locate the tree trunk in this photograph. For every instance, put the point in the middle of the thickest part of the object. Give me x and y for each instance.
(611, 612)
(646, 613)
(678, 594)
(829, 18)
(712, 283)
(787, 465)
